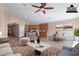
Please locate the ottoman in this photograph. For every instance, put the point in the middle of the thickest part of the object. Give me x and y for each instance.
(24, 40)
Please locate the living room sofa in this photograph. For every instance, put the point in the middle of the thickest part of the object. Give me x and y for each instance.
(66, 51)
(5, 50)
(70, 51)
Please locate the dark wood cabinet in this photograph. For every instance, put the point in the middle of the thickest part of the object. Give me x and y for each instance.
(42, 27)
(43, 30)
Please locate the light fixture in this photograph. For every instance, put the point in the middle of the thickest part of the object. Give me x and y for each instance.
(42, 9)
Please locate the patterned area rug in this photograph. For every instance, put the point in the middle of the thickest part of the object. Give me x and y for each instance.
(29, 51)
(51, 52)
(23, 50)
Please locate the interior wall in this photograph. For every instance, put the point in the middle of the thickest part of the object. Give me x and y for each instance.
(3, 21)
(52, 25)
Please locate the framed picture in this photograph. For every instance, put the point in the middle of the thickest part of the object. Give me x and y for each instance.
(68, 26)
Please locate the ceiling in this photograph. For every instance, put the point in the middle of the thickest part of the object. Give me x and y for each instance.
(26, 12)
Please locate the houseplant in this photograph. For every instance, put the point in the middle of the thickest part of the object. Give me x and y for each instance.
(76, 34)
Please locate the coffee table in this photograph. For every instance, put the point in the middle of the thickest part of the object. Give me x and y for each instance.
(39, 48)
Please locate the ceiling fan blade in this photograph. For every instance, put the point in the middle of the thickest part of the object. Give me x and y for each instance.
(43, 4)
(37, 10)
(35, 6)
(48, 8)
(44, 12)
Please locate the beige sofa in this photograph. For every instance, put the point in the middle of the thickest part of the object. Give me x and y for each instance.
(5, 50)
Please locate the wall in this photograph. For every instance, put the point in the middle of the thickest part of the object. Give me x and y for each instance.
(3, 21)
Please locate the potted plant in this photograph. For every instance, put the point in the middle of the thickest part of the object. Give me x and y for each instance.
(76, 33)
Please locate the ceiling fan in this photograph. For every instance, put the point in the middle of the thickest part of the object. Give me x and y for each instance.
(42, 7)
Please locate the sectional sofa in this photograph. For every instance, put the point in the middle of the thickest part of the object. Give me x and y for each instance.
(5, 50)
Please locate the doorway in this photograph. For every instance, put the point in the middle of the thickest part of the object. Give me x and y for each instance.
(13, 30)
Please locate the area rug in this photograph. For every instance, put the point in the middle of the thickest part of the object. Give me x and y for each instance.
(51, 52)
(29, 51)
(23, 50)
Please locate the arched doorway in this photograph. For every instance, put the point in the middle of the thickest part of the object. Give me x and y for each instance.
(13, 29)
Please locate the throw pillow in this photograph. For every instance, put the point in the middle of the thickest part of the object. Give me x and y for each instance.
(75, 50)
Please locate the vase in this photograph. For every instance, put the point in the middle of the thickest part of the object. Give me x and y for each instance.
(38, 40)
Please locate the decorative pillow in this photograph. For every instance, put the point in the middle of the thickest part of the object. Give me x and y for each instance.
(75, 50)
(75, 43)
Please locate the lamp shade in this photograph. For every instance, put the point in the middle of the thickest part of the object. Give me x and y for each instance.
(0, 32)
